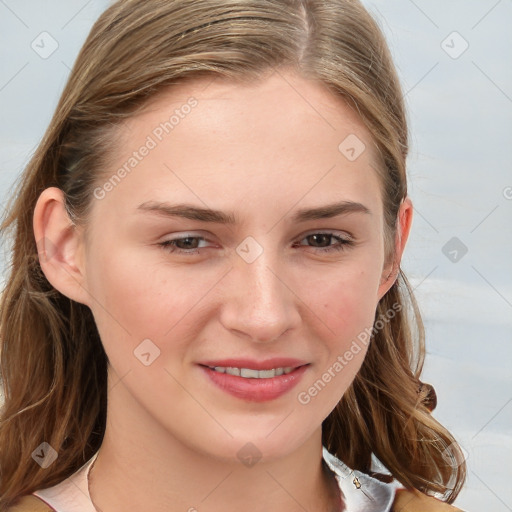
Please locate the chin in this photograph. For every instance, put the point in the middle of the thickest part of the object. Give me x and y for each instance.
(252, 446)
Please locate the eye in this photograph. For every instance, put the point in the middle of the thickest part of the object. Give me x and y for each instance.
(323, 238)
(184, 245)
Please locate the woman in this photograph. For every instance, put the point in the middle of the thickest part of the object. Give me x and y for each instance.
(206, 289)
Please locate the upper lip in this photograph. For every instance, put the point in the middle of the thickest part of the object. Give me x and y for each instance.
(267, 364)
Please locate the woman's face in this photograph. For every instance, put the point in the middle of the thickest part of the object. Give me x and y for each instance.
(215, 237)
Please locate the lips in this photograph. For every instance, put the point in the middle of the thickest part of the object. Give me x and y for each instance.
(267, 364)
(254, 389)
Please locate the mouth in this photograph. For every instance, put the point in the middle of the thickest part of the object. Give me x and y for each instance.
(250, 373)
(245, 382)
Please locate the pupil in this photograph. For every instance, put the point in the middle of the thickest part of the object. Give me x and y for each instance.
(186, 242)
(326, 237)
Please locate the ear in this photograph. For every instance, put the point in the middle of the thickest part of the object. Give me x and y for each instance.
(391, 271)
(59, 245)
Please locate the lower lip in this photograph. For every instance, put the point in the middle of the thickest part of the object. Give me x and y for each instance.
(255, 390)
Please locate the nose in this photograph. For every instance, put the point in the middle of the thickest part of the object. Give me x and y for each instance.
(259, 303)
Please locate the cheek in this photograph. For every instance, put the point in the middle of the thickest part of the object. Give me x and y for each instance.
(140, 296)
(345, 301)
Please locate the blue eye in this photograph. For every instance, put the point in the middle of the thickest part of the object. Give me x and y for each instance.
(189, 245)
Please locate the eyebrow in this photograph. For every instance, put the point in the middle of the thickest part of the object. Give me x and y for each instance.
(192, 212)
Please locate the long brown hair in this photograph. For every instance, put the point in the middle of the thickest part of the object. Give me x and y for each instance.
(53, 366)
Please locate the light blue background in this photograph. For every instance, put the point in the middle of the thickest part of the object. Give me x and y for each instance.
(460, 111)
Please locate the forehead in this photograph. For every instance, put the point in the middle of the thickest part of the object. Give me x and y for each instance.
(280, 100)
(281, 140)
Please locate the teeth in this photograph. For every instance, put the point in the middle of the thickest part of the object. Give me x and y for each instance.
(253, 374)
(249, 373)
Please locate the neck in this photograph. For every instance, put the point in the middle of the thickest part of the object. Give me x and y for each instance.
(142, 466)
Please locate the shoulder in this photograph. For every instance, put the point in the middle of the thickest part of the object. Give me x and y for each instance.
(414, 501)
(30, 503)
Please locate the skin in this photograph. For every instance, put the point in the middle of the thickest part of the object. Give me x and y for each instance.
(262, 152)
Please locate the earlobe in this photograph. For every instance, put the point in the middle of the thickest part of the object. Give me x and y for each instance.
(404, 223)
(59, 245)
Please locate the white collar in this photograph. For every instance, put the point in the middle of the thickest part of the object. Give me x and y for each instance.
(361, 492)
(72, 494)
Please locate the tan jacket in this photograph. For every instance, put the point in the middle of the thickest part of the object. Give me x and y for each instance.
(405, 501)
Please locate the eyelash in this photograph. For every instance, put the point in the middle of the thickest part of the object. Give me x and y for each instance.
(343, 244)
